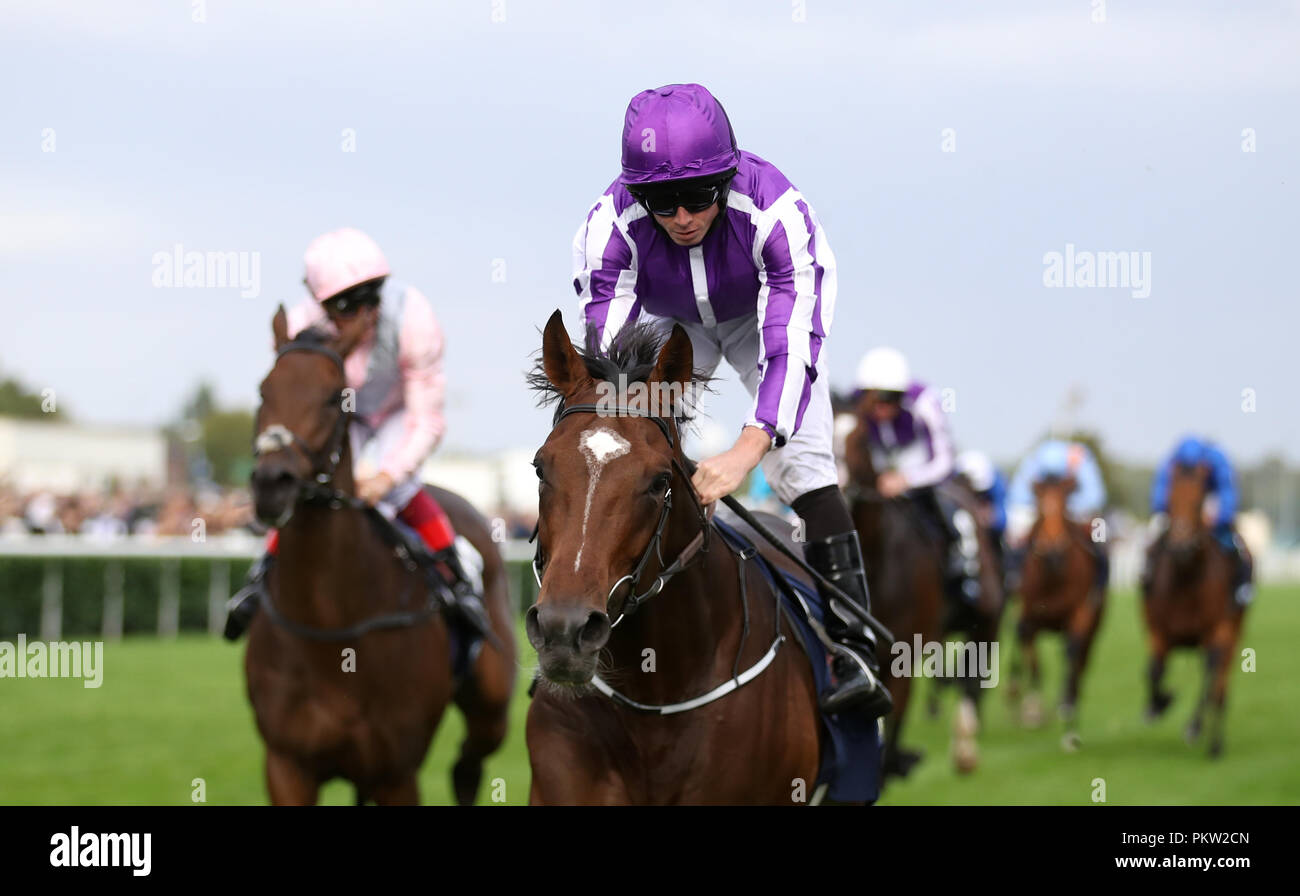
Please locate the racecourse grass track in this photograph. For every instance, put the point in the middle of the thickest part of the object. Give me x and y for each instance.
(172, 711)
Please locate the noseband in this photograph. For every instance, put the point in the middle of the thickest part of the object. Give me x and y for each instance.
(278, 436)
(698, 545)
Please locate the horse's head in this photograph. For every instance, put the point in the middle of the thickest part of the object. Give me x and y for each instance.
(606, 484)
(1051, 534)
(1187, 489)
(864, 406)
(302, 421)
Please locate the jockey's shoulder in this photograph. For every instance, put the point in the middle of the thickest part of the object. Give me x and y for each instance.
(920, 393)
(760, 181)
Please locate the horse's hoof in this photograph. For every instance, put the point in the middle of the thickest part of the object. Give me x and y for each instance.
(1031, 711)
(1070, 742)
(465, 778)
(1156, 708)
(1216, 749)
(900, 764)
(1191, 733)
(1065, 712)
(965, 756)
(966, 723)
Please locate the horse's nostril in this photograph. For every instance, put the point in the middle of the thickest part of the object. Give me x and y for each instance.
(533, 628)
(595, 632)
(272, 478)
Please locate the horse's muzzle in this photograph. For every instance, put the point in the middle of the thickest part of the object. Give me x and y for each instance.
(567, 640)
(275, 488)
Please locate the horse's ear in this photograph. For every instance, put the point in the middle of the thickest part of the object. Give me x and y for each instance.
(280, 327)
(676, 360)
(563, 365)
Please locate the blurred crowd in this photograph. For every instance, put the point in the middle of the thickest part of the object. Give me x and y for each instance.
(145, 511)
(123, 511)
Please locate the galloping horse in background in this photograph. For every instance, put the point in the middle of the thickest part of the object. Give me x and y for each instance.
(350, 666)
(617, 508)
(905, 563)
(1190, 604)
(1060, 592)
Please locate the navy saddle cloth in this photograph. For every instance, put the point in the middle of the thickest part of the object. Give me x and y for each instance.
(851, 750)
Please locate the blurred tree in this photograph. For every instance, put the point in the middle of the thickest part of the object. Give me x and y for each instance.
(217, 441)
(226, 440)
(16, 400)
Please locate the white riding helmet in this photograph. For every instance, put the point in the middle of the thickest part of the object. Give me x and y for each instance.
(977, 468)
(884, 369)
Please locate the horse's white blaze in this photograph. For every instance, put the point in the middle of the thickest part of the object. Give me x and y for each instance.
(599, 446)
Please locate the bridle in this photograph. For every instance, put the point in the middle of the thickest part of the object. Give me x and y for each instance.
(698, 546)
(278, 436)
(321, 490)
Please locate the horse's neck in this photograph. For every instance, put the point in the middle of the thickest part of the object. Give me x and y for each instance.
(320, 551)
(869, 520)
(1052, 525)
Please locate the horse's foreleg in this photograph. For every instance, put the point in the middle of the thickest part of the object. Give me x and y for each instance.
(1223, 651)
(1194, 726)
(897, 761)
(1079, 636)
(288, 783)
(485, 729)
(1078, 643)
(1159, 699)
(1031, 707)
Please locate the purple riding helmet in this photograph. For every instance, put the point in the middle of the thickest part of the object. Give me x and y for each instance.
(676, 132)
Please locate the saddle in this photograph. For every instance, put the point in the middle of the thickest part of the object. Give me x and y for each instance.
(849, 771)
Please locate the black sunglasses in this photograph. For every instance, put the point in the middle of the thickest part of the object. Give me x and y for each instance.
(349, 302)
(666, 202)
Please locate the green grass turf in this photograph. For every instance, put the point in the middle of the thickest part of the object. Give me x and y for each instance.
(173, 711)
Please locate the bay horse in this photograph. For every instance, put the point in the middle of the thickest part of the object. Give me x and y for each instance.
(643, 707)
(1060, 592)
(905, 575)
(1189, 604)
(349, 665)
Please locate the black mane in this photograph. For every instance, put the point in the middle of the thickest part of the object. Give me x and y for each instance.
(632, 353)
(314, 335)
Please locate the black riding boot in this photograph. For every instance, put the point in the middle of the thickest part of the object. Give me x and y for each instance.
(1243, 585)
(467, 603)
(241, 608)
(855, 681)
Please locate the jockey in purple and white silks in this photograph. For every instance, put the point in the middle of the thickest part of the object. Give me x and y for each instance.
(698, 233)
(913, 454)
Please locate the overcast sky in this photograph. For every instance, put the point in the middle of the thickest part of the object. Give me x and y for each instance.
(130, 128)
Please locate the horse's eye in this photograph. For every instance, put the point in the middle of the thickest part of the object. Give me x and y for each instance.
(659, 484)
(537, 468)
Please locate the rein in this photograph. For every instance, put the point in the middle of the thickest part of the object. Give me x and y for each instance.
(699, 545)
